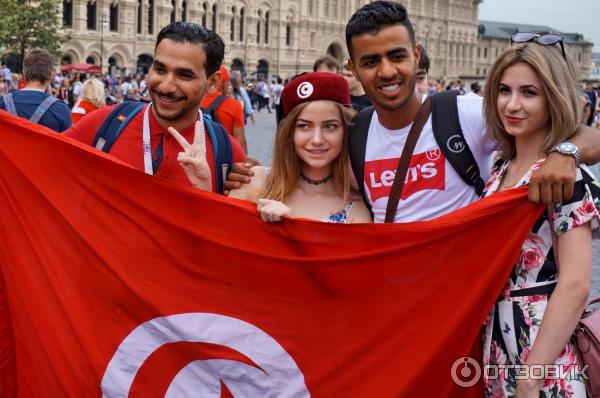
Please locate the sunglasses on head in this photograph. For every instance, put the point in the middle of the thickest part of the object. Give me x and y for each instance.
(549, 39)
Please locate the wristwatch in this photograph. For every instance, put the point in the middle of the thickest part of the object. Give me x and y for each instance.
(567, 148)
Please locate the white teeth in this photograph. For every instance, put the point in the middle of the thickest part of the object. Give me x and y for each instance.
(390, 88)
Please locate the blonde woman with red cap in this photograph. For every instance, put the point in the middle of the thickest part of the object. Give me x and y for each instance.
(310, 175)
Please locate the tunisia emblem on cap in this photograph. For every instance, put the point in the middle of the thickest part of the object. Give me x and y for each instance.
(304, 90)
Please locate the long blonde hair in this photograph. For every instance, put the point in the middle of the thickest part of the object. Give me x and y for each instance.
(92, 91)
(556, 75)
(285, 170)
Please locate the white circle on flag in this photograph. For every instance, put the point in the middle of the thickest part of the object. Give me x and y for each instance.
(305, 89)
(277, 373)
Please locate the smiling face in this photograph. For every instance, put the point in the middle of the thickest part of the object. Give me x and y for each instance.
(177, 81)
(318, 137)
(385, 64)
(522, 106)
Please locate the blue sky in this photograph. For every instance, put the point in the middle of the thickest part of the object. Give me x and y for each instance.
(580, 16)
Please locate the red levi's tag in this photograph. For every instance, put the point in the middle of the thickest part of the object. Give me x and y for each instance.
(427, 170)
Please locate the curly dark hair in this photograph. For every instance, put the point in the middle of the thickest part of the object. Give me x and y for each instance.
(187, 32)
(373, 17)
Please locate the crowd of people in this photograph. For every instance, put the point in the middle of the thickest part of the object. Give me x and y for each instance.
(373, 140)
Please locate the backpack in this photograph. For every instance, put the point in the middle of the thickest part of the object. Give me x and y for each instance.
(446, 130)
(212, 108)
(123, 113)
(37, 114)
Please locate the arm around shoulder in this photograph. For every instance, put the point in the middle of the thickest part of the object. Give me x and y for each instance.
(587, 140)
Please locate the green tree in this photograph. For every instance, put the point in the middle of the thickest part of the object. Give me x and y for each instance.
(27, 24)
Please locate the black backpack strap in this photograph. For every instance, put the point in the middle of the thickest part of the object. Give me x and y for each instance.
(451, 140)
(114, 124)
(222, 151)
(212, 108)
(357, 145)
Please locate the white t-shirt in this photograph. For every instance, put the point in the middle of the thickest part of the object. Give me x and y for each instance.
(77, 88)
(276, 90)
(432, 188)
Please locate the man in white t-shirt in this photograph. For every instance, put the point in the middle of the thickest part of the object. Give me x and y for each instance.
(276, 88)
(384, 58)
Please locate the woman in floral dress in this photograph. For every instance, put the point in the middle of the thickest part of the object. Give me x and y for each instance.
(531, 105)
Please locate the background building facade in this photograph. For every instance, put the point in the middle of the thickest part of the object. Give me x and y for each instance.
(494, 37)
(272, 37)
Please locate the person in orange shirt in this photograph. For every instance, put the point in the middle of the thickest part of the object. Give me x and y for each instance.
(225, 110)
(92, 98)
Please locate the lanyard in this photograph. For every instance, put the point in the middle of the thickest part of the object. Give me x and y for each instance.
(146, 144)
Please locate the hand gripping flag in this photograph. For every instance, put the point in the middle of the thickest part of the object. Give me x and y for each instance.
(118, 284)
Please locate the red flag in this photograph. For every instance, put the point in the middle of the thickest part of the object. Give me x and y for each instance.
(121, 284)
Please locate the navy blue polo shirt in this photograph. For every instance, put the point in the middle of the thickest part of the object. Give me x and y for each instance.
(57, 118)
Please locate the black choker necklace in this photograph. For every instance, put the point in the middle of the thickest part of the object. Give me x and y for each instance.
(316, 182)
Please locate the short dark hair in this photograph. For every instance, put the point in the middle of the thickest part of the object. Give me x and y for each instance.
(188, 32)
(328, 61)
(372, 17)
(424, 60)
(38, 65)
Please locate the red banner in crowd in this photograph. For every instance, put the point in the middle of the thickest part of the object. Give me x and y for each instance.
(120, 284)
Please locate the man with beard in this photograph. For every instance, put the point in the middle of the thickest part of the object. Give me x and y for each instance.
(186, 63)
(384, 57)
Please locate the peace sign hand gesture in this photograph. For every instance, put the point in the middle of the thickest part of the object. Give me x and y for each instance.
(193, 158)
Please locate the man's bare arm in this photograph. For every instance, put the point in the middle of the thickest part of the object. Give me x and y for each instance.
(554, 181)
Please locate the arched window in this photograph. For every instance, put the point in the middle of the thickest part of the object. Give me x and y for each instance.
(172, 11)
(114, 17)
(311, 7)
(232, 25)
(68, 13)
(267, 15)
(139, 16)
(90, 60)
(204, 12)
(184, 11)
(326, 5)
(335, 8)
(151, 16)
(258, 26)
(242, 15)
(214, 17)
(288, 34)
(91, 15)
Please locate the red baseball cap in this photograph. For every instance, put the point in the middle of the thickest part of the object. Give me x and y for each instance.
(315, 86)
(224, 74)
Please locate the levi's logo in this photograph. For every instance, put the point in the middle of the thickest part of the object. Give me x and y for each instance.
(427, 170)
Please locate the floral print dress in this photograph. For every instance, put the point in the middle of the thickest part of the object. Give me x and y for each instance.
(514, 321)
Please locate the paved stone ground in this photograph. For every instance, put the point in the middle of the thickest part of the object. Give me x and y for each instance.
(260, 138)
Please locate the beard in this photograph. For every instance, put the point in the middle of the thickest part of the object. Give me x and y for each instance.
(173, 115)
(165, 116)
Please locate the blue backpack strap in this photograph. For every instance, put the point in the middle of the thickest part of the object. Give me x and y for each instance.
(114, 124)
(43, 108)
(222, 151)
(212, 108)
(10, 104)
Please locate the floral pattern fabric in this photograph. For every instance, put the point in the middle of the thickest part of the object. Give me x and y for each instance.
(341, 217)
(515, 320)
